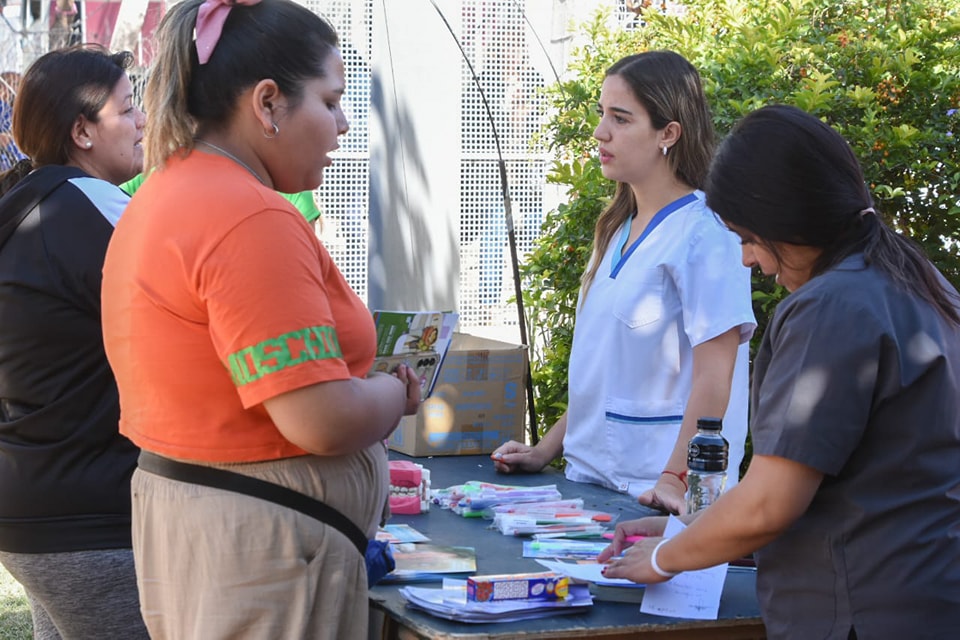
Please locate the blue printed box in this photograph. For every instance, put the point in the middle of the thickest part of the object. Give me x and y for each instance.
(519, 586)
(478, 402)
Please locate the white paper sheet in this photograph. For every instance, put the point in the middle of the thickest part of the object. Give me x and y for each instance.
(585, 572)
(692, 594)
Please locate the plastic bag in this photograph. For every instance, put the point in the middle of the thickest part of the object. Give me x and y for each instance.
(379, 561)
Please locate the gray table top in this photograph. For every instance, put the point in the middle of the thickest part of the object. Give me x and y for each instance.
(497, 553)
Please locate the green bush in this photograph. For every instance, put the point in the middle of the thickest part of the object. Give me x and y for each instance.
(886, 75)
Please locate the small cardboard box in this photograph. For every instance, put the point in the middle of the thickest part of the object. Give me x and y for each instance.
(546, 585)
(478, 403)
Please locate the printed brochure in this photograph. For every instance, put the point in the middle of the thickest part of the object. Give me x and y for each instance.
(422, 562)
(419, 339)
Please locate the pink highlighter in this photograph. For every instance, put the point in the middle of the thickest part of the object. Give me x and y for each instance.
(628, 539)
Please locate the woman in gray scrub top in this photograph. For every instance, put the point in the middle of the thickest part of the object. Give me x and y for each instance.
(852, 500)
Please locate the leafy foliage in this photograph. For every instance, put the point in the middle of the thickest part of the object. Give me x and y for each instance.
(886, 75)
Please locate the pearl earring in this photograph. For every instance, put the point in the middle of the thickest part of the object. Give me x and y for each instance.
(89, 144)
(664, 151)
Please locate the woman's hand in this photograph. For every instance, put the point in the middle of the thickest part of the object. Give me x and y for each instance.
(412, 381)
(513, 456)
(635, 564)
(667, 495)
(651, 526)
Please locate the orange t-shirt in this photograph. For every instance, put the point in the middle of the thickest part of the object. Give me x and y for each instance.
(217, 296)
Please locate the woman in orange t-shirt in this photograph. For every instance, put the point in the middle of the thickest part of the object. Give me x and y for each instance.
(237, 343)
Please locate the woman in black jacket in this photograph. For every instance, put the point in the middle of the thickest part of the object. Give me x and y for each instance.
(64, 467)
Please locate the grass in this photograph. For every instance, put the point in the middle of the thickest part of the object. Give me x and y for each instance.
(15, 623)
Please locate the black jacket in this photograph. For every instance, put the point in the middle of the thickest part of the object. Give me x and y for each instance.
(64, 468)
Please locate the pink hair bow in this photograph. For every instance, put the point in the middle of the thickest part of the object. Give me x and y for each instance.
(210, 19)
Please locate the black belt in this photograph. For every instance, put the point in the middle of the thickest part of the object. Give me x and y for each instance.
(238, 483)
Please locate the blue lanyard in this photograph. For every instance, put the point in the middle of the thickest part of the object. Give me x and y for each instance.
(653, 224)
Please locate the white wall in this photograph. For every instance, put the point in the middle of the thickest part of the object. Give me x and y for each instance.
(414, 157)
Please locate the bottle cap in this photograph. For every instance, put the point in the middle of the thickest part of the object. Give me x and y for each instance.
(710, 424)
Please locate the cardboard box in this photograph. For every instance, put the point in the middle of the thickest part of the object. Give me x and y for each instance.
(478, 403)
(546, 585)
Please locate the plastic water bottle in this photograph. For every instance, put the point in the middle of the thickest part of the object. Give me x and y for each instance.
(706, 464)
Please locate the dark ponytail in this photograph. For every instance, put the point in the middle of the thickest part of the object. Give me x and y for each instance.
(781, 159)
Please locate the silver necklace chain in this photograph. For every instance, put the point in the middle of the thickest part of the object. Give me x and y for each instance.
(234, 158)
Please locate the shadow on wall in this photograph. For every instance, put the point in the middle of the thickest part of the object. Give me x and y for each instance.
(404, 245)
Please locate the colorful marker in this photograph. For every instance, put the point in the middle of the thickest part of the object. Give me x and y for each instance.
(628, 539)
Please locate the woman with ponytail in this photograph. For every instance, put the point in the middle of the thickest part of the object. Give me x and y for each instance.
(242, 355)
(852, 499)
(664, 317)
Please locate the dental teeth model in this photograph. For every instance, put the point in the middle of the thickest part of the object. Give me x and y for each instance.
(409, 488)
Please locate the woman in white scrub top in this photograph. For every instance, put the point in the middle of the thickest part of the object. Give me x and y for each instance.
(665, 315)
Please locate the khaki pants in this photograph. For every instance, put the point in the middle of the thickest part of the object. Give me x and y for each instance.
(212, 564)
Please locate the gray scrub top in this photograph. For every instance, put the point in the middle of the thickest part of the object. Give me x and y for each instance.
(860, 379)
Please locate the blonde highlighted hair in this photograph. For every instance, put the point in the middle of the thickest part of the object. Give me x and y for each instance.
(669, 89)
(273, 39)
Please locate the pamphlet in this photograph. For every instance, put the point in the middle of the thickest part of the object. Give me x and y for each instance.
(419, 339)
(425, 562)
(473, 498)
(398, 533)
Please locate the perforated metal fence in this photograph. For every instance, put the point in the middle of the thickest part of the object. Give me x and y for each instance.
(344, 195)
(494, 37)
(497, 40)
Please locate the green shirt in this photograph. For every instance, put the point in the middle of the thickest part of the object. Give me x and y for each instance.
(303, 201)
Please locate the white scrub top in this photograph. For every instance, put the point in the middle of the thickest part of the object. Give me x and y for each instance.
(631, 362)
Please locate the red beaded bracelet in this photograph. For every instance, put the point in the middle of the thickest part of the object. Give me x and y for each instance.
(682, 476)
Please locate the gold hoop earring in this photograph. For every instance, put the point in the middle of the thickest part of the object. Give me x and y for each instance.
(276, 132)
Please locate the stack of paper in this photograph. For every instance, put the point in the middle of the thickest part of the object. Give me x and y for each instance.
(450, 602)
(473, 498)
(534, 518)
(572, 504)
(521, 525)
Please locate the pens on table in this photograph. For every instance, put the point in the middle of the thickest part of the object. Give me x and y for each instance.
(574, 535)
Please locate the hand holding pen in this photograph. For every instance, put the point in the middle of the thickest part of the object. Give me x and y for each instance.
(638, 529)
(636, 563)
